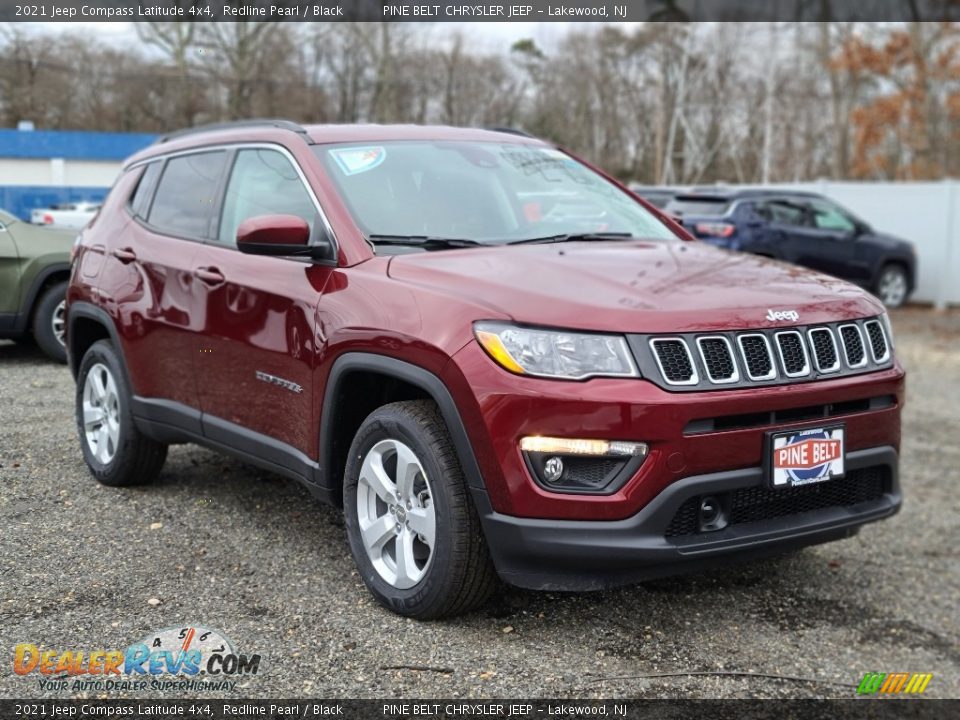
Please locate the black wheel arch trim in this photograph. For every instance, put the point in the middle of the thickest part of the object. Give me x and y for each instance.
(33, 293)
(83, 309)
(415, 375)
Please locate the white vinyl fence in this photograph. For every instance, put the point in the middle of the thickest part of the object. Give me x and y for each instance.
(925, 213)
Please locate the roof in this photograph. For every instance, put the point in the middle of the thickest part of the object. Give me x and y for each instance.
(740, 193)
(385, 133)
(71, 144)
(273, 130)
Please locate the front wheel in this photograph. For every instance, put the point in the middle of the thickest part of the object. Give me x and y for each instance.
(414, 533)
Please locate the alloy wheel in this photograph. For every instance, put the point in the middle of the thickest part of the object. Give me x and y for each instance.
(892, 288)
(101, 413)
(396, 513)
(58, 322)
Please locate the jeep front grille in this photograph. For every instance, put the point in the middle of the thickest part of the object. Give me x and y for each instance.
(709, 361)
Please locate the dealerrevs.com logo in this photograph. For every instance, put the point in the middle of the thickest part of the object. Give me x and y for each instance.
(192, 658)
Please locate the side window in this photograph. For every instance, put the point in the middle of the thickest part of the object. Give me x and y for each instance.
(140, 201)
(186, 194)
(827, 216)
(263, 182)
(783, 212)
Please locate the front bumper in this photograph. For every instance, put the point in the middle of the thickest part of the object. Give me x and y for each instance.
(689, 433)
(590, 555)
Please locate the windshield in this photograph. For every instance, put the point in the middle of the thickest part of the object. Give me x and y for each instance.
(479, 191)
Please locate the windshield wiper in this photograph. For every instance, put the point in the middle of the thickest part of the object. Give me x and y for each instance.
(573, 237)
(427, 242)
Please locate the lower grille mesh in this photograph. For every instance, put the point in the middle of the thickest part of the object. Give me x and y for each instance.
(755, 504)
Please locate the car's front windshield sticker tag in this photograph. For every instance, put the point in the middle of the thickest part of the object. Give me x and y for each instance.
(357, 160)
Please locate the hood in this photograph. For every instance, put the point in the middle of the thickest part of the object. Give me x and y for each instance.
(635, 286)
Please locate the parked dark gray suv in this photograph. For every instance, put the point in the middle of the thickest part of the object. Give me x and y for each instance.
(803, 228)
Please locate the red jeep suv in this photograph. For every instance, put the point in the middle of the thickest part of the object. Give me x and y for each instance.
(498, 360)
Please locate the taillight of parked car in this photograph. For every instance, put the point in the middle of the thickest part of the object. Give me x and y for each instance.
(723, 230)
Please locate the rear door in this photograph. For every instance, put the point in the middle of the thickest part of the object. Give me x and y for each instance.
(258, 343)
(148, 274)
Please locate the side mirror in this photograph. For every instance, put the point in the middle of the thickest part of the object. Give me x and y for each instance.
(278, 235)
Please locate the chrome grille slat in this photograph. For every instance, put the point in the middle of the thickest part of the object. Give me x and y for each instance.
(757, 356)
(718, 359)
(824, 348)
(879, 347)
(793, 353)
(854, 351)
(675, 361)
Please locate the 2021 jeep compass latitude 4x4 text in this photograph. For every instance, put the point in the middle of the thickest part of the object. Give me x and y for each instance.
(498, 360)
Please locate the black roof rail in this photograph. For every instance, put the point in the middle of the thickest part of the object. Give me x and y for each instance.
(281, 124)
(511, 131)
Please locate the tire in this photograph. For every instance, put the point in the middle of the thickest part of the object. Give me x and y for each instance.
(892, 286)
(455, 574)
(115, 451)
(49, 320)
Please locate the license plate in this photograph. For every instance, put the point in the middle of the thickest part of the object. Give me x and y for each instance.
(802, 457)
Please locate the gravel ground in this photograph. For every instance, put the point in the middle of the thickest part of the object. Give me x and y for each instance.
(224, 545)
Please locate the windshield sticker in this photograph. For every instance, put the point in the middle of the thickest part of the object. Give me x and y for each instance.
(357, 160)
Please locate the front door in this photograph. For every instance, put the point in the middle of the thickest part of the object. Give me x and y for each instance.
(259, 346)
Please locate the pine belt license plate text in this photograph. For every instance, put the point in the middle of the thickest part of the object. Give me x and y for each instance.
(801, 457)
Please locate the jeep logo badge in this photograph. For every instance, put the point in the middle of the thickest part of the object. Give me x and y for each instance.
(782, 315)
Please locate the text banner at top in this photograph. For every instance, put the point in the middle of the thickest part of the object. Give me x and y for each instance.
(445, 11)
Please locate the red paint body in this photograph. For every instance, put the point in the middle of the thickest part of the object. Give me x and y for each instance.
(197, 320)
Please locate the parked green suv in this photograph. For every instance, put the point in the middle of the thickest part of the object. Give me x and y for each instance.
(34, 269)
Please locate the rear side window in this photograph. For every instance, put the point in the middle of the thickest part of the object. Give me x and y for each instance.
(680, 206)
(186, 193)
(140, 202)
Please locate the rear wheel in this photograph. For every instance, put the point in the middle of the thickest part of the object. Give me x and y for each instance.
(115, 451)
(414, 533)
(893, 286)
(49, 322)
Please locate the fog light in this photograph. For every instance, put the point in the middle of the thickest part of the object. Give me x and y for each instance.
(572, 465)
(552, 469)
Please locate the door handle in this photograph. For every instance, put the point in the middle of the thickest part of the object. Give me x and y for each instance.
(125, 255)
(209, 275)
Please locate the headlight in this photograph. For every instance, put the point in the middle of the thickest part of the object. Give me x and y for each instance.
(556, 353)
